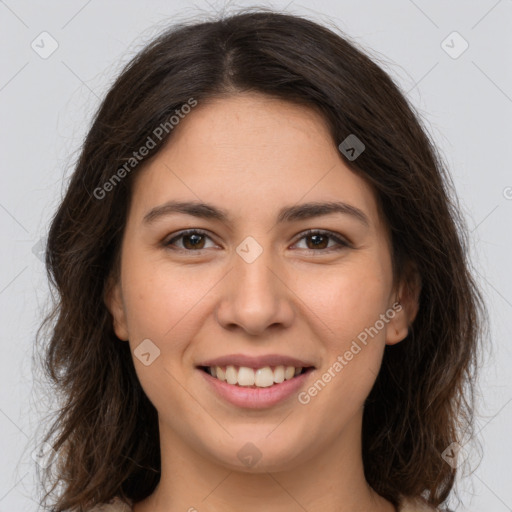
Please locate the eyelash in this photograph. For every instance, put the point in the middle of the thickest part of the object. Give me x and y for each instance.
(342, 244)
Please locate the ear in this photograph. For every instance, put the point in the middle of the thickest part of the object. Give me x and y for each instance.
(114, 301)
(405, 306)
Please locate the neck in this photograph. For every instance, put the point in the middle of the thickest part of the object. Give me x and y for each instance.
(330, 481)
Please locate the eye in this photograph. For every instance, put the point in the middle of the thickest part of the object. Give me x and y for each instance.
(319, 240)
(191, 240)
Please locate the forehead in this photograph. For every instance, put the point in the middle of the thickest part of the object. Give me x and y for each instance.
(251, 153)
(251, 125)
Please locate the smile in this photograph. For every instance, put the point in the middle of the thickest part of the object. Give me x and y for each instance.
(254, 377)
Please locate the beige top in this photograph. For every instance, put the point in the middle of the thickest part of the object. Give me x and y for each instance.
(116, 505)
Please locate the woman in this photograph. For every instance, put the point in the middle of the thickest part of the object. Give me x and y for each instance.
(264, 289)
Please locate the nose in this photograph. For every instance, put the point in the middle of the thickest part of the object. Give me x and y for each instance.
(256, 297)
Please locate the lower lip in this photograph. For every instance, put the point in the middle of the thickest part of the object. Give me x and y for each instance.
(256, 398)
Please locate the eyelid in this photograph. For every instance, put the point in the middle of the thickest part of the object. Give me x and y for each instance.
(180, 234)
(341, 242)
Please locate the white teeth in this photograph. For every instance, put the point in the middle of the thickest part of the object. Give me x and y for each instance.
(264, 377)
(246, 376)
(278, 374)
(231, 375)
(289, 372)
(219, 372)
(261, 377)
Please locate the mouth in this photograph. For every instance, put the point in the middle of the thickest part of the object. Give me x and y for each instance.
(256, 382)
(262, 377)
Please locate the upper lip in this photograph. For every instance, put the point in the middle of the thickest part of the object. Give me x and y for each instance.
(256, 361)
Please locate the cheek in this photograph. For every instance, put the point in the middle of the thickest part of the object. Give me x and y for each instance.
(347, 299)
(162, 305)
(160, 298)
(168, 305)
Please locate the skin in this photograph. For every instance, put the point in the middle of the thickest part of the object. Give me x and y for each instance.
(251, 155)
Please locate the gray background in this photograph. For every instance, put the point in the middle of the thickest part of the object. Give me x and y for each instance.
(46, 107)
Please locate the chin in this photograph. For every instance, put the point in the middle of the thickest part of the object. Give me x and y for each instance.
(259, 454)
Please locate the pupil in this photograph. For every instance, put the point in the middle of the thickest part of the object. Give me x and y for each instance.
(194, 239)
(317, 243)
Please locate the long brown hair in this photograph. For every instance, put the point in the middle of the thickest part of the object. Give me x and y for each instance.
(105, 433)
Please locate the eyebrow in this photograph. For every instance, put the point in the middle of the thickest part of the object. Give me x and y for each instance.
(286, 214)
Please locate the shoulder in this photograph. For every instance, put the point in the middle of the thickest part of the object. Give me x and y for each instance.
(415, 506)
(114, 505)
(118, 505)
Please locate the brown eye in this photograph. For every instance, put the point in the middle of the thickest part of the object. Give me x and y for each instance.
(317, 241)
(191, 240)
(320, 241)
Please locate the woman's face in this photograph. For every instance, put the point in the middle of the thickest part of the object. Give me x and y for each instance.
(253, 289)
